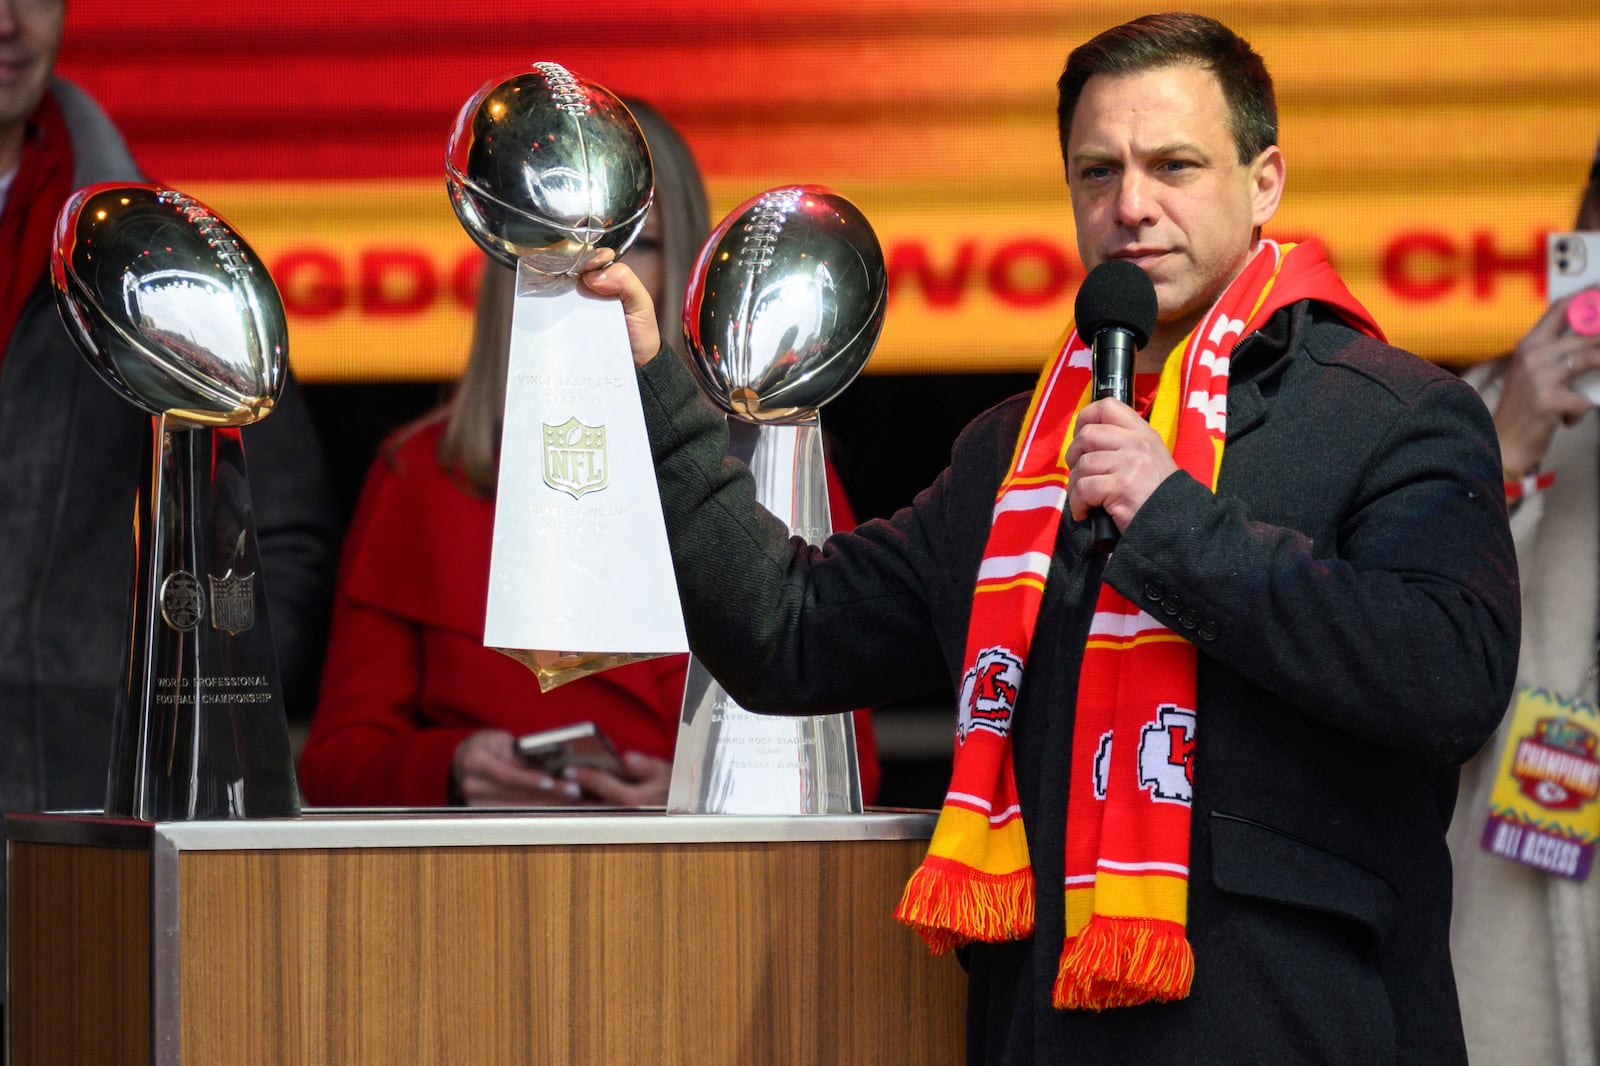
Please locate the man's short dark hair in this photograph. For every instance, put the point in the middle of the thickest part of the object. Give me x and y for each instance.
(1178, 39)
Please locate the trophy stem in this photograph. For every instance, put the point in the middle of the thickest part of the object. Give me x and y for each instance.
(730, 760)
(200, 730)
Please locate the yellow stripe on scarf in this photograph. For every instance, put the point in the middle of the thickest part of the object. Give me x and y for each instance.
(1164, 412)
(1134, 642)
(965, 832)
(1147, 896)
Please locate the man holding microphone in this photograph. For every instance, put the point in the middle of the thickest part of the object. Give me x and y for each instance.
(1201, 782)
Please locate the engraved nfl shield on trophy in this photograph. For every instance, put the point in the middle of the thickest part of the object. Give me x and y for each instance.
(784, 307)
(545, 171)
(176, 313)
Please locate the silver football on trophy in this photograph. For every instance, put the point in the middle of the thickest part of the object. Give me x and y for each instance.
(785, 303)
(546, 167)
(169, 305)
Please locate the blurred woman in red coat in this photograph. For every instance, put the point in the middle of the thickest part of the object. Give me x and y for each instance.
(414, 710)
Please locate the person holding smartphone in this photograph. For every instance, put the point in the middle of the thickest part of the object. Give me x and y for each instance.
(414, 711)
(1526, 942)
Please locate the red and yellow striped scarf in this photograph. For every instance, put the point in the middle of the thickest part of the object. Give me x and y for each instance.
(1127, 850)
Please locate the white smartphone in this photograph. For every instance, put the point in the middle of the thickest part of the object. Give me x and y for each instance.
(1574, 265)
(580, 744)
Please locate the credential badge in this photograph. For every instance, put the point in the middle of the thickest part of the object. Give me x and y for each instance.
(181, 604)
(233, 602)
(575, 458)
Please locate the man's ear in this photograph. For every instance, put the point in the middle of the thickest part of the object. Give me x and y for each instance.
(1266, 185)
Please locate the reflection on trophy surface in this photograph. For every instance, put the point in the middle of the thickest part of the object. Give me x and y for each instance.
(177, 314)
(546, 170)
(783, 310)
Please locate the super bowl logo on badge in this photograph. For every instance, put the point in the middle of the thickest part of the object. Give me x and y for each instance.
(989, 692)
(1557, 767)
(1166, 755)
(575, 458)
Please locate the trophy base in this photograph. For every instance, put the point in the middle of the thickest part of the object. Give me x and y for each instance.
(730, 760)
(556, 668)
(200, 730)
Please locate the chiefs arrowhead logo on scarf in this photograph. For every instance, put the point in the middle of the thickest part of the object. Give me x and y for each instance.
(1127, 851)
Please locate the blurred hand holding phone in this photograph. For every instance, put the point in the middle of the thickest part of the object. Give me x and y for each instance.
(1573, 269)
(579, 744)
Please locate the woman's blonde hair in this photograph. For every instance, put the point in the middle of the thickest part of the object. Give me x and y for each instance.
(470, 447)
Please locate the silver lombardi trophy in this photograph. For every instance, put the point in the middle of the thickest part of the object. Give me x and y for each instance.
(546, 171)
(783, 310)
(177, 314)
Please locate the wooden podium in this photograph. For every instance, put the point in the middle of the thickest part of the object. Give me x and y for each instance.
(360, 937)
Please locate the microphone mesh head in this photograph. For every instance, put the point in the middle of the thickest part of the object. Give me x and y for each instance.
(1116, 294)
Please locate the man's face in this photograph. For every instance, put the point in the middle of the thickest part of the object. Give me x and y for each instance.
(1155, 178)
(30, 34)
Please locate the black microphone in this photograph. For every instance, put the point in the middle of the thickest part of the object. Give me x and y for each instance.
(1116, 311)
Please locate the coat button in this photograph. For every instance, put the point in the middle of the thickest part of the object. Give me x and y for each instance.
(1188, 619)
(1154, 591)
(1171, 605)
(1208, 631)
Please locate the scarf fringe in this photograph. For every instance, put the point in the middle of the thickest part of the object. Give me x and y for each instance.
(944, 897)
(1122, 962)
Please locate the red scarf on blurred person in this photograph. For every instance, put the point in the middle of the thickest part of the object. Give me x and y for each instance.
(42, 184)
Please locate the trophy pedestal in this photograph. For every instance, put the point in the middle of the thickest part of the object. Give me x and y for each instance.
(464, 937)
(200, 731)
(730, 760)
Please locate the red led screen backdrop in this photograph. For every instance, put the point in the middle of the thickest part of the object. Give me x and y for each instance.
(1430, 145)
